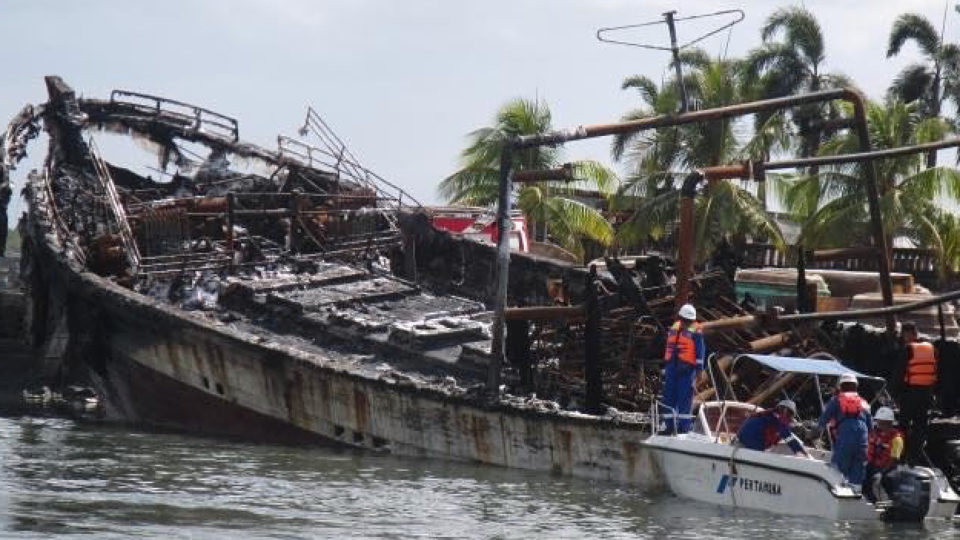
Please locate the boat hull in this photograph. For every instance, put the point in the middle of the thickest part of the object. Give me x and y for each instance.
(162, 366)
(737, 477)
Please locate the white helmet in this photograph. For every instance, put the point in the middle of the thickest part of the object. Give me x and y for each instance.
(687, 311)
(788, 404)
(847, 378)
(884, 413)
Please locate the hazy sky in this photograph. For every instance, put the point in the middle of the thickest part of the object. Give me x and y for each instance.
(402, 82)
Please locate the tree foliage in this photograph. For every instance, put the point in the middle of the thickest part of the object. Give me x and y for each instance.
(569, 219)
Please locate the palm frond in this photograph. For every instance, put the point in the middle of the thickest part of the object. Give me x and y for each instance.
(916, 28)
(912, 83)
(644, 86)
(801, 31)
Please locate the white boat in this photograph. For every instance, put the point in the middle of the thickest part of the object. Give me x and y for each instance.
(704, 465)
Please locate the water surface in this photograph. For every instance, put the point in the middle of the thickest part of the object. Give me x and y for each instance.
(62, 477)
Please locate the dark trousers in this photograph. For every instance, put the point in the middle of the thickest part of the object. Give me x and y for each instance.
(678, 395)
(915, 406)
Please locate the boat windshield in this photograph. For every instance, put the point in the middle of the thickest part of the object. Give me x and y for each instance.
(733, 416)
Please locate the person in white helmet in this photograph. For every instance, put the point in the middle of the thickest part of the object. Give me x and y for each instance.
(850, 415)
(767, 428)
(683, 358)
(884, 448)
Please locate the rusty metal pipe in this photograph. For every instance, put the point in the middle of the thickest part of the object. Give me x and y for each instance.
(874, 312)
(770, 343)
(742, 171)
(732, 323)
(685, 247)
(563, 174)
(665, 120)
(858, 157)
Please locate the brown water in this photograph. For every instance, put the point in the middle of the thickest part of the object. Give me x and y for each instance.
(60, 477)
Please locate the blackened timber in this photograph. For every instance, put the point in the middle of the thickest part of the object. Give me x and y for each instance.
(545, 313)
(518, 351)
(504, 226)
(592, 345)
(803, 300)
(685, 253)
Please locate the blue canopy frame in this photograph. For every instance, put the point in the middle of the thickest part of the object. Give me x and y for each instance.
(809, 366)
(814, 367)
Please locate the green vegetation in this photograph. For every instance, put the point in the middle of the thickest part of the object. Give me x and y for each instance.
(832, 204)
(659, 159)
(568, 220)
(829, 202)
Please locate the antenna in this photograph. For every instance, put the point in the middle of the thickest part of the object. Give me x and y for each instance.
(670, 20)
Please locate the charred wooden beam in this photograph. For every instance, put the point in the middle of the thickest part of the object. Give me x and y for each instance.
(592, 345)
(545, 313)
(518, 351)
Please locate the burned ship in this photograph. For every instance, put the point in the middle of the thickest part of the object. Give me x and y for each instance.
(291, 294)
(261, 303)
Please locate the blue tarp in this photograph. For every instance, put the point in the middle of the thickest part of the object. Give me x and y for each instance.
(806, 365)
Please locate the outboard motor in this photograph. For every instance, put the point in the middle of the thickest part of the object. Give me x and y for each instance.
(909, 493)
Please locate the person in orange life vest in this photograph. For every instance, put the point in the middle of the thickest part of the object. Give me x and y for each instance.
(919, 378)
(884, 447)
(683, 359)
(767, 428)
(852, 417)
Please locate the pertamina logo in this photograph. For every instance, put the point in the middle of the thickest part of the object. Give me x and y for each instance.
(747, 484)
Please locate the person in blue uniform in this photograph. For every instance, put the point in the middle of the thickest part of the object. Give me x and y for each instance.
(767, 428)
(850, 415)
(683, 358)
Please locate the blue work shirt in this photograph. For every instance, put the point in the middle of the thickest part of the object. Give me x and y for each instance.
(862, 423)
(764, 430)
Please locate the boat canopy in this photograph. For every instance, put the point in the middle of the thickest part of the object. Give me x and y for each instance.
(811, 366)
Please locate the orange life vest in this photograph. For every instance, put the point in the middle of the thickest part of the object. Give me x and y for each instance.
(879, 446)
(681, 343)
(922, 366)
(851, 404)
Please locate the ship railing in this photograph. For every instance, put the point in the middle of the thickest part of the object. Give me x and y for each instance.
(116, 206)
(192, 116)
(342, 168)
(344, 160)
(671, 416)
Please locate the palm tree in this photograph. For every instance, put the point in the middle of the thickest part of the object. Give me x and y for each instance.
(568, 220)
(790, 62)
(833, 204)
(659, 159)
(944, 238)
(929, 82)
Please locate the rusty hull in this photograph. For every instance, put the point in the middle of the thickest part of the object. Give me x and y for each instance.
(163, 365)
(167, 367)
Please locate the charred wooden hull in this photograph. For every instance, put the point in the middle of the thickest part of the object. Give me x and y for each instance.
(162, 366)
